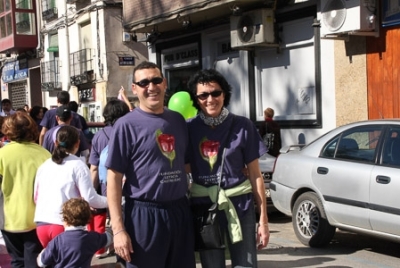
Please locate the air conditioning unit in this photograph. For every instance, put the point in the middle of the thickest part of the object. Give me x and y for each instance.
(357, 17)
(253, 28)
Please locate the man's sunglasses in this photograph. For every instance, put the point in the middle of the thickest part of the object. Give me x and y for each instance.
(205, 95)
(146, 82)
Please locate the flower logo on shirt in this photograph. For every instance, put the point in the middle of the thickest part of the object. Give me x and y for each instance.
(209, 151)
(166, 143)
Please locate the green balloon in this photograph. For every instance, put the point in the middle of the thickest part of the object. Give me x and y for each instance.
(192, 112)
(180, 102)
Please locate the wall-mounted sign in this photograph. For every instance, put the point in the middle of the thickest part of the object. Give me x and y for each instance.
(390, 13)
(15, 70)
(225, 48)
(126, 61)
(86, 94)
(182, 55)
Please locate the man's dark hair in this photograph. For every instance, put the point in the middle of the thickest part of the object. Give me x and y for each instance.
(73, 106)
(63, 97)
(146, 65)
(5, 101)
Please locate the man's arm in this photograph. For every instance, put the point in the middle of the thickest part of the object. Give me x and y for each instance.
(94, 173)
(41, 135)
(122, 241)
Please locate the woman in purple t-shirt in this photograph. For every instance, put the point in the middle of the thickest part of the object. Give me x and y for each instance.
(209, 135)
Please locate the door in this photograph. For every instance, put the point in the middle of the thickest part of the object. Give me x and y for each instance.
(385, 185)
(343, 172)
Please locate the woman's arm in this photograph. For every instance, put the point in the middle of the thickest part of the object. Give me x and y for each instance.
(125, 98)
(257, 184)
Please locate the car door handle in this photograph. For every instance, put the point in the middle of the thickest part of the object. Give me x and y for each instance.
(322, 170)
(383, 179)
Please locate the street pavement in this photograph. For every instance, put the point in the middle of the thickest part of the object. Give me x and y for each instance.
(347, 250)
(263, 255)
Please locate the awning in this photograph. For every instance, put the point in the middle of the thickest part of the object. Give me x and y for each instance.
(53, 43)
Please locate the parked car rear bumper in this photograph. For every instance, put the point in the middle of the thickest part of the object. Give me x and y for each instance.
(279, 194)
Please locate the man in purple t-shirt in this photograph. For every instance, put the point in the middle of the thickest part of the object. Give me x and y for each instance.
(64, 117)
(49, 118)
(148, 145)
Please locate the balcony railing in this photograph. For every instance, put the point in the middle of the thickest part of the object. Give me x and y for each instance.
(81, 66)
(50, 74)
(50, 13)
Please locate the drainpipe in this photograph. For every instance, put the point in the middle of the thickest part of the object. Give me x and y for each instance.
(66, 64)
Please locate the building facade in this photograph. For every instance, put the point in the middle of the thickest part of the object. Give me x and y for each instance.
(80, 47)
(295, 56)
(316, 70)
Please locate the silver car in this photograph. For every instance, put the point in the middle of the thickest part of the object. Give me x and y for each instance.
(348, 178)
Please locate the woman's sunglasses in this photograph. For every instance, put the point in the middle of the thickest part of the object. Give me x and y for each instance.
(146, 82)
(205, 95)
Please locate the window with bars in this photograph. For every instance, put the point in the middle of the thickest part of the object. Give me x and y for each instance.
(49, 9)
(81, 66)
(50, 74)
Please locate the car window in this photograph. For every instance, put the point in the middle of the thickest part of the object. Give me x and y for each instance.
(391, 147)
(357, 144)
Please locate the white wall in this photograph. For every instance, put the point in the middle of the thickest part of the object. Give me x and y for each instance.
(280, 84)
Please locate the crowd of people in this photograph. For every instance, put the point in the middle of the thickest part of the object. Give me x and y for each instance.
(144, 157)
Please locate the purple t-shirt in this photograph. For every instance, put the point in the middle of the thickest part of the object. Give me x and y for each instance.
(50, 137)
(74, 248)
(244, 146)
(49, 120)
(150, 150)
(99, 142)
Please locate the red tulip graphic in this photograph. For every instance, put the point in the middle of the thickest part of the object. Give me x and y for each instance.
(166, 143)
(209, 151)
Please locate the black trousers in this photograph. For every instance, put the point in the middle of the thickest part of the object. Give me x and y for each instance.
(23, 248)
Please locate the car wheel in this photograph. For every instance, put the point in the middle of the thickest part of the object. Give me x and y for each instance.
(309, 221)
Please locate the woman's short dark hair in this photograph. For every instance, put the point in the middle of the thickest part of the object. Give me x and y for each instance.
(208, 76)
(113, 110)
(20, 127)
(66, 138)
